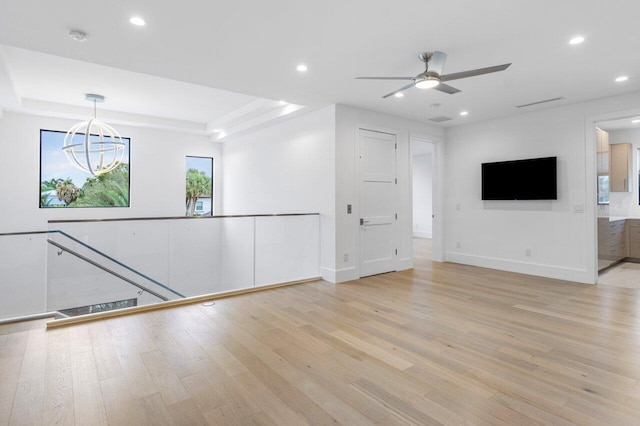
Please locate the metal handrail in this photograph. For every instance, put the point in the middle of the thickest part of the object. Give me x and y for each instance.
(104, 268)
(6, 234)
(106, 256)
(181, 217)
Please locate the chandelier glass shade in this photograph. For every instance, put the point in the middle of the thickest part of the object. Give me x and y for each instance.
(92, 146)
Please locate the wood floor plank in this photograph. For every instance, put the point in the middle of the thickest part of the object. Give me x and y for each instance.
(165, 379)
(35, 357)
(87, 396)
(120, 406)
(27, 406)
(9, 374)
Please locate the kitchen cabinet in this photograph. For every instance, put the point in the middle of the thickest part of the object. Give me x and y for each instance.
(621, 166)
(633, 234)
(612, 241)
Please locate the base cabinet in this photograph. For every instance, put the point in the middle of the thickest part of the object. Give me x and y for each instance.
(633, 235)
(612, 241)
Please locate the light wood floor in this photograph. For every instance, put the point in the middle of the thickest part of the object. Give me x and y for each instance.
(625, 274)
(442, 343)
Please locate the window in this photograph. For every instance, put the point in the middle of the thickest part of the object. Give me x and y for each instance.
(199, 186)
(603, 189)
(62, 185)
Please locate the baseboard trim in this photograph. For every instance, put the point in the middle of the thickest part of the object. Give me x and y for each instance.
(537, 269)
(328, 274)
(417, 234)
(346, 274)
(170, 304)
(404, 264)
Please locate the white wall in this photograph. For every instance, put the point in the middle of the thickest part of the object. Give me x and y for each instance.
(496, 234)
(422, 195)
(286, 168)
(348, 120)
(626, 203)
(157, 173)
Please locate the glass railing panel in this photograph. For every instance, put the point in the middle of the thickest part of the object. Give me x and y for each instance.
(194, 256)
(22, 274)
(80, 274)
(143, 245)
(287, 248)
(237, 253)
(80, 282)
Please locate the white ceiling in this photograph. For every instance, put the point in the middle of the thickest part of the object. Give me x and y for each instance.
(619, 124)
(252, 47)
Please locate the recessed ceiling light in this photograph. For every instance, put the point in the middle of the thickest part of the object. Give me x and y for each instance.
(216, 130)
(636, 121)
(77, 35)
(136, 20)
(576, 40)
(302, 68)
(463, 113)
(282, 102)
(622, 78)
(399, 95)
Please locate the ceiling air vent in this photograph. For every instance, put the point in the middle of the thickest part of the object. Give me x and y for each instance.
(440, 119)
(539, 102)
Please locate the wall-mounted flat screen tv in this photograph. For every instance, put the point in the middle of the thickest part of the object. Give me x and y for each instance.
(530, 179)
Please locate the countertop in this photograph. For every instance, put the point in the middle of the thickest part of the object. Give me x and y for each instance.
(617, 218)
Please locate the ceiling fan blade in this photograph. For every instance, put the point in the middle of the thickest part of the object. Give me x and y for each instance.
(446, 89)
(384, 78)
(473, 73)
(436, 63)
(408, 86)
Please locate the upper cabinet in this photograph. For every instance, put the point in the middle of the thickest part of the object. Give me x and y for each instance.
(602, 152)
(621, 166)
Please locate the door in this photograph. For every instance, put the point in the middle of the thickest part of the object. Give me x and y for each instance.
(377, 152)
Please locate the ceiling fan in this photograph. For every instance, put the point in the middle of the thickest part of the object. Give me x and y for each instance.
(432, 77)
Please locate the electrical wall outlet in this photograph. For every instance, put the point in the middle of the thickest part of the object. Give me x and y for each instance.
(345, 257)
(527, 252)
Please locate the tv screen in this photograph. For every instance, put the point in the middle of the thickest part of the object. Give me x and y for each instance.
(531, 179)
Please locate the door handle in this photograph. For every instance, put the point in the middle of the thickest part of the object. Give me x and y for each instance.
(362, 221)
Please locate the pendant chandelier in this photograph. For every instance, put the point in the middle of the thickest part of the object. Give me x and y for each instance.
(92, 146)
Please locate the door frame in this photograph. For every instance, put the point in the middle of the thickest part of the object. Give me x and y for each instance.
(591, 190)
(395, 133)
(437, 182)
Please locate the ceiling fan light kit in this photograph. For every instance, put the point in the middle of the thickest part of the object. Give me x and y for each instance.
(432, 77)
(427, 83)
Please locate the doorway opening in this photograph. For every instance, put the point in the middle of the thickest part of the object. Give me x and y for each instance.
(422, 166)
(618, 198)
